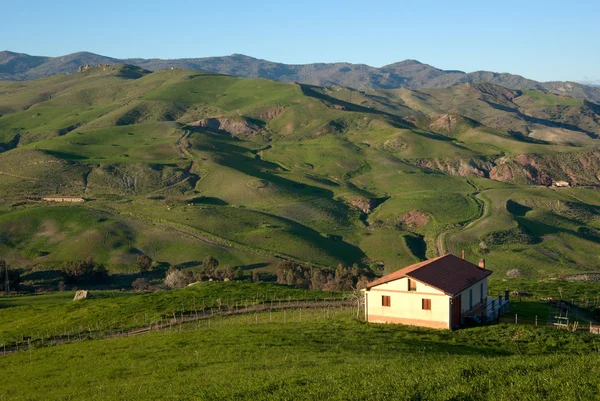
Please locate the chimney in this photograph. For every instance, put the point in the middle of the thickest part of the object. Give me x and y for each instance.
(482, 263)
(463, 254)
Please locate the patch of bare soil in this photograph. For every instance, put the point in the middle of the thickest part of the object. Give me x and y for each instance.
(50, 229)
(414, 219)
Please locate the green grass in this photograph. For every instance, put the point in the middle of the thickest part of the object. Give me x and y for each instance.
(146, 143)
(56, 314)
(543, 99)
(47, 120)
(318, 358)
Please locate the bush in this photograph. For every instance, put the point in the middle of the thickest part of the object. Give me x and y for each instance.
(84, 271)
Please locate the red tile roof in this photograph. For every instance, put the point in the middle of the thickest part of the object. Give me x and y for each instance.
(447, 273)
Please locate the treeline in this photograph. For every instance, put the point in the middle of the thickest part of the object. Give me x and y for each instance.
(84, 271)
(342, 278)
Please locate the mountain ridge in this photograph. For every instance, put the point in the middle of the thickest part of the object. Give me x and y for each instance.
(410, 74)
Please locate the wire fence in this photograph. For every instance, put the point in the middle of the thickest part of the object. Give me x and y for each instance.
(244, 311)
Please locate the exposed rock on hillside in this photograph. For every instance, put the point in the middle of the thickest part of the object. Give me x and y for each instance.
(578, 168)
(235, 127)
(413, 220)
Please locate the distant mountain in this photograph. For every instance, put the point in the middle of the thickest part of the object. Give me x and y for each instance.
(409, 74)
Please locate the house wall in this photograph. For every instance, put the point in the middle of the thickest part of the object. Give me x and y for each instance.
(64, 199)
(406, 306)
(478, 295)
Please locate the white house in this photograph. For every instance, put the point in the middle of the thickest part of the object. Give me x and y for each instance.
(436, 293)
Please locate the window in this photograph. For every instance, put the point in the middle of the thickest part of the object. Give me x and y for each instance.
(426, 304)
(481, 291)
(412, 285)
(471, 298)
(386, 300)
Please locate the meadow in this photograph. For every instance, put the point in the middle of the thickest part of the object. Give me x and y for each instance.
(321, 357)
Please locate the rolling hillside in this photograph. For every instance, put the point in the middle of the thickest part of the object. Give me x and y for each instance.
(409, 74)
(182, 164)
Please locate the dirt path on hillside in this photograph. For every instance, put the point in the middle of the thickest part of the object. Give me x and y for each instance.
(440, 242)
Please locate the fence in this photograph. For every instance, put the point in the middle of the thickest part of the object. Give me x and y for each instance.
(271, 311)
(561, 314)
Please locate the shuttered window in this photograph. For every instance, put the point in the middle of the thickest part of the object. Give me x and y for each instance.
(386, 300)
(426, 304)
(412, 285)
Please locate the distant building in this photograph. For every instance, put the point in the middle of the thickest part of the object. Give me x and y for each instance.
(436, 293)
(72, 199)
(561, 184)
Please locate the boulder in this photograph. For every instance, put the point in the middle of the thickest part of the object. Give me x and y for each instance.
(81, 294)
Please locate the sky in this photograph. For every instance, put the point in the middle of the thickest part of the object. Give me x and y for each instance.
(542, 40)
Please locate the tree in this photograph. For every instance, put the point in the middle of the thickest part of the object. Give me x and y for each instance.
(228, 272)
(140, 284)
(210, 265)
(144, 262)
(176, 279)
(13, 276)
(317, 281)
(255, 276)
(84, 271)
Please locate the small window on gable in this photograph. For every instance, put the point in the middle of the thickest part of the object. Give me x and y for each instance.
(412, 285)
(426, 304)
(386, 300)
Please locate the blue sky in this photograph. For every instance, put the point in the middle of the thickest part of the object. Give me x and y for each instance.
(543, 40)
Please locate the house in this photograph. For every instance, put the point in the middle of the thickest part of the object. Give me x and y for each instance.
(437, 293)
(72, 199)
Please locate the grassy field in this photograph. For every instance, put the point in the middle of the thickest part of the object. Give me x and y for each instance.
(50, 315)
(321, 357)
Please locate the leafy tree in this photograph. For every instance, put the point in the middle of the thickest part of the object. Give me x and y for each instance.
(209, 265)
(176, 278)
(144, 262)
(84, 271)
(140, 284)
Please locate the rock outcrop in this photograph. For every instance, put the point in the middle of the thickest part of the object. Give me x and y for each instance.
(233, 126)
(81, 294)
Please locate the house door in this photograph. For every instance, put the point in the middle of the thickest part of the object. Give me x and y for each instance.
(456, 311)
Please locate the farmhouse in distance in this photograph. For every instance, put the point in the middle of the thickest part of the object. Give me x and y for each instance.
(438, 293)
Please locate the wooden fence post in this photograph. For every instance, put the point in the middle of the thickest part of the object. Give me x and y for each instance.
(515, 318)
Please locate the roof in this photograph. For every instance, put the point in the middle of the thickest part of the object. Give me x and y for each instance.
(447, 273)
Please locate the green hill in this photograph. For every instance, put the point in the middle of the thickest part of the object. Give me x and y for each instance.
(181, 164)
